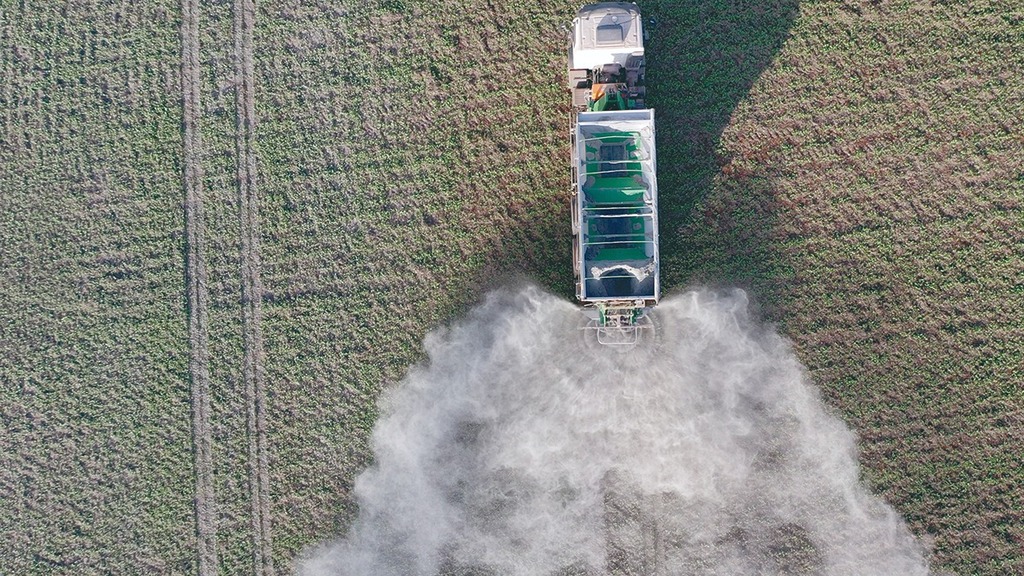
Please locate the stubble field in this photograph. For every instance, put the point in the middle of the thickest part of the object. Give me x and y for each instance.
(226, 227)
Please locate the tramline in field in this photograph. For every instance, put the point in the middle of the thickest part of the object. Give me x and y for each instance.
(614, 182)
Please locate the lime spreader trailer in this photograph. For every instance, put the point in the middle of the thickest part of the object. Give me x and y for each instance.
(613, 172)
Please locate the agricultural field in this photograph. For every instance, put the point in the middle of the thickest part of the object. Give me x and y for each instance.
(226, 227)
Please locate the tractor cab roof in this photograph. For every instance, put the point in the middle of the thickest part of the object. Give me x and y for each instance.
(606, 32)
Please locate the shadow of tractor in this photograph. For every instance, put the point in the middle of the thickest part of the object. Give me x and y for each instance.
(703, 58)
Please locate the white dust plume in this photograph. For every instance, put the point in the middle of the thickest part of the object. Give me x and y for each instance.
(520, 450)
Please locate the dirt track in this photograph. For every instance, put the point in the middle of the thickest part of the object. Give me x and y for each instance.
(206, 530)
(252, 289)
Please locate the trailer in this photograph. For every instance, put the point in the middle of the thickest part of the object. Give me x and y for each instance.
(614, 179)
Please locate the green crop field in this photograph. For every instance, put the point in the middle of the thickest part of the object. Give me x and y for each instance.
(225, 228)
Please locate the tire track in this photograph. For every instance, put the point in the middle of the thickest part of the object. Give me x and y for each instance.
(252, 289)
(195, 279)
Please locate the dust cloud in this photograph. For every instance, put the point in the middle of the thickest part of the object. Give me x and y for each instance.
(520, 450)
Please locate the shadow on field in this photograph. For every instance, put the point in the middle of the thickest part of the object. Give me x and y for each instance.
(702, 59)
